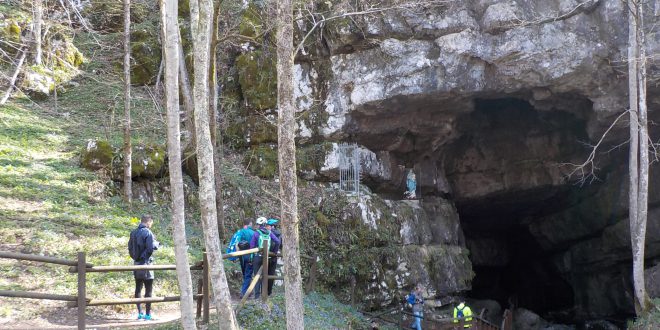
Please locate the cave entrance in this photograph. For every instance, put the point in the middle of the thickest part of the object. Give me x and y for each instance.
(504, 174)
(511, 268)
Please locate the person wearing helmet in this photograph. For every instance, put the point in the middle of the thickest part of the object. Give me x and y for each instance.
(272, 261)
(262, 236)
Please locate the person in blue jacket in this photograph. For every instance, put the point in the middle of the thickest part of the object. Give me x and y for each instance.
(262, 236)
(141, 246)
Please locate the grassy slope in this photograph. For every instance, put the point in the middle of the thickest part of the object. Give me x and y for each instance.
(49, 205)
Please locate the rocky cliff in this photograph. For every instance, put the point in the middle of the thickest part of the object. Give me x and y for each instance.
(490, 102)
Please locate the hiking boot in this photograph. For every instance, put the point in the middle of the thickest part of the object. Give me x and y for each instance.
(140, 316)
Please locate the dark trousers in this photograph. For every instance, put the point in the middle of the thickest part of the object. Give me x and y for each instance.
(246, 268)
(272, 266)
(148, 288)
(256, 265)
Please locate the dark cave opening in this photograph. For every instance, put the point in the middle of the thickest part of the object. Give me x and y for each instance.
(523, 276)
(501, 171)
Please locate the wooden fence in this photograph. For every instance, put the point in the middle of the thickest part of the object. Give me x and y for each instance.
(81, 268)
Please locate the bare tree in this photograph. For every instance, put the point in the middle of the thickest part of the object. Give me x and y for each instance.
(639, 157)
(38, 20)
(169, 11)
(287, 164)
(201, 12)
(128, 189)
(216, 136)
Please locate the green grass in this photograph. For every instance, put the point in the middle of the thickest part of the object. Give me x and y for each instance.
(322, 311)
(51, 206)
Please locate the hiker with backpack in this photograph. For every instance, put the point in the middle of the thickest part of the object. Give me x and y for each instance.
(416, 301)
(275, 248)
(239, 242)
(262, 236)
(141, 246)
(463, 312)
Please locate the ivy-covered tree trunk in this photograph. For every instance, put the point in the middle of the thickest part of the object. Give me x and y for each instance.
(287, 164)
(169, 12)
(128, 184)
(201, 12)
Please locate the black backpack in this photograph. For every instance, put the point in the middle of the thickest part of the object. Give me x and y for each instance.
(133, 247)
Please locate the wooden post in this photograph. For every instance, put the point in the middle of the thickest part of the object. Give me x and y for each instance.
(205, 290)
(264, 273)
(311, 282)
(82, 290)
(199, 301)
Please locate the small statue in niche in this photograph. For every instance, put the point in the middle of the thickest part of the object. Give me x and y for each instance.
(411, 184)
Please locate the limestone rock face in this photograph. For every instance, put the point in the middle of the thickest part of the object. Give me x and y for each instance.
(493, 103)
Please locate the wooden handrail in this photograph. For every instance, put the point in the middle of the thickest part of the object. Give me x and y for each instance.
(129, 301)
(240, 253)
(127, 268)
(37, 295)
(34, 257)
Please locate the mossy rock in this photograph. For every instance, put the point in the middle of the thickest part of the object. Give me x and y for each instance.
(310, 158)
(146, 55)
(250, 130)
(262, 161)
(147, 161)
(258, 79)
(56, 71)
(96, 155)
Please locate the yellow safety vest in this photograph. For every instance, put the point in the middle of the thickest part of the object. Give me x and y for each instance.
(467, 315)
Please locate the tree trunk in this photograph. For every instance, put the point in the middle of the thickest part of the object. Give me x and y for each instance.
(169, 12)
(184, 85)
(287, 165)
(638, 96)
(38, 20)
(216, 135)
(201, 12)
(128, 190)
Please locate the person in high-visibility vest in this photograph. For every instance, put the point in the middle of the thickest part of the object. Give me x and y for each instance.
(463, 311)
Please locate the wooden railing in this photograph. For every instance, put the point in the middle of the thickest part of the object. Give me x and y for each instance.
(81, 268)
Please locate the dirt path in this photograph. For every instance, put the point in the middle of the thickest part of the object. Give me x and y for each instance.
(66, 318)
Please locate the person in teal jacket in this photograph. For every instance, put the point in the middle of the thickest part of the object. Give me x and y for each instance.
(244, 237)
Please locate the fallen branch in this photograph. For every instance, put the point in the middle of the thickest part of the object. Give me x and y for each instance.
(12, 81)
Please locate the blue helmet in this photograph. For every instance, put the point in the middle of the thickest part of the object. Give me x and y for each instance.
(272, 222)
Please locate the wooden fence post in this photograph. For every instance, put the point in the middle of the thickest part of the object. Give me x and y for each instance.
(199, 301)
(82, 290)
(205, 289)
(264, 273)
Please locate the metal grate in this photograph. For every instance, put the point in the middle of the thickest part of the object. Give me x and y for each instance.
(349, 168)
